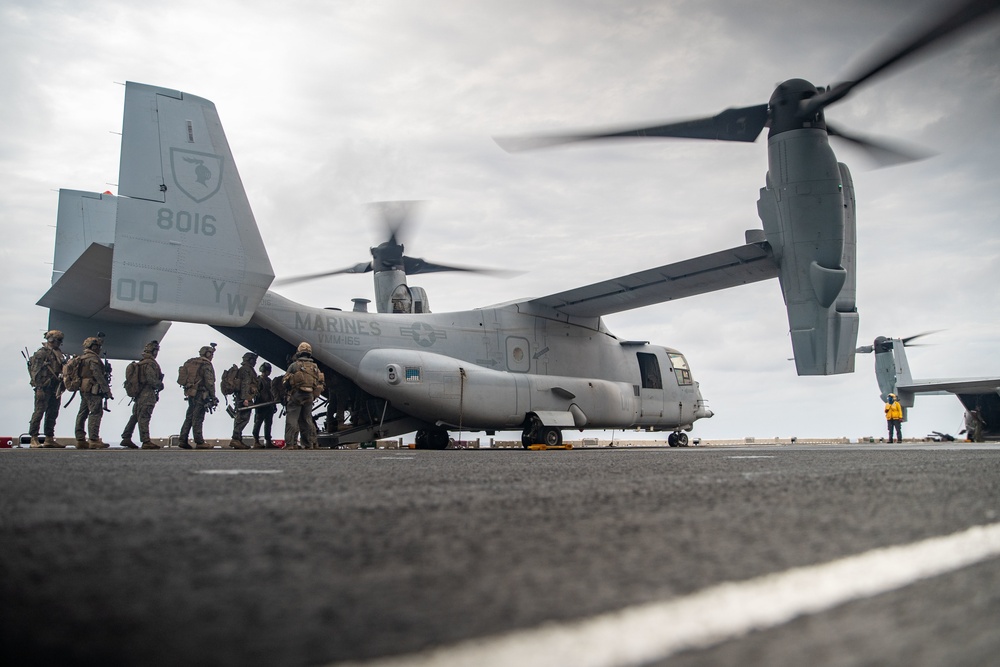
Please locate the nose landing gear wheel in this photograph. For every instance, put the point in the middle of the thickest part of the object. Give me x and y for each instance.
(432, 439)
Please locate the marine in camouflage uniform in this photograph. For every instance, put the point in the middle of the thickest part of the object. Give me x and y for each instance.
(199, 396)
(93, 390)
(45, 369)
(150, 380)
(264, 415)
(303, 383)
(244, 397)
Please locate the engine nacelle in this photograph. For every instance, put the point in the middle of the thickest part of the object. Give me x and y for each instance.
(807, 209)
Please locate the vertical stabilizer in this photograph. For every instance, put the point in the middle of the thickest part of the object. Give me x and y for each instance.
(186, 244)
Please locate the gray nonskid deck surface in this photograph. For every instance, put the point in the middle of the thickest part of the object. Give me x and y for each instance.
(297, 558)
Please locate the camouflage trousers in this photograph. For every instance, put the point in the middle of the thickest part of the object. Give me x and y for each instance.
(194, 420)
(90, 415)
(142, 411)
(240, 421)
(47, 405)
(298, 418)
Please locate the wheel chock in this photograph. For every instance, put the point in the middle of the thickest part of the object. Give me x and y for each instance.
(542, 447)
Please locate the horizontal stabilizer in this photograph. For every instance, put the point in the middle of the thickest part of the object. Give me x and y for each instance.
(83, 290)
(122, 340)
(719, 270)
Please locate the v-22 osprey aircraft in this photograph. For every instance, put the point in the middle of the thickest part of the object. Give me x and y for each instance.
(180, 243)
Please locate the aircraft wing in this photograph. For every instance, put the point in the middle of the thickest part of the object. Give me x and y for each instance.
(743, 264)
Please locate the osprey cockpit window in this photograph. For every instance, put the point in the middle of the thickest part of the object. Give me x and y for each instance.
(649, 369)
(681, 369)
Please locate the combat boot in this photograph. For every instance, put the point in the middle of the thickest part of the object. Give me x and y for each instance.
(257, 444)
(82, 444)
(184, 444)
(128, 444)
(35, 442)
(237, 444)
(52, 443)
(98, 444)
(150, 445)
(203, 445)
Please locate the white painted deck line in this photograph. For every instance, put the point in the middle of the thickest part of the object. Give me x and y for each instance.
(650, 632)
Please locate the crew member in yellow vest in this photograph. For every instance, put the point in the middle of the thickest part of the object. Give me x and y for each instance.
(894, 417)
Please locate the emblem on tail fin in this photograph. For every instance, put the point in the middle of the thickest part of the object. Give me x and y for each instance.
(198, 175)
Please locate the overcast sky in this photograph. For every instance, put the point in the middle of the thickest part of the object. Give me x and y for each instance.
(328, 106)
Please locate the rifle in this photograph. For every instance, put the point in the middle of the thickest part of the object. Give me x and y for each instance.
(259, 405)
(107, 378)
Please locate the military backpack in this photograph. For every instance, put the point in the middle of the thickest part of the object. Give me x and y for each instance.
(132, 384)
(188, 375)
(306, 377)
(73, 373)
(230, 382)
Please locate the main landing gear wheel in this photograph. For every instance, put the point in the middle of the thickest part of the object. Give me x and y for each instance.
(431, 439)
(536, 434)
(550, 436)
(677, 439)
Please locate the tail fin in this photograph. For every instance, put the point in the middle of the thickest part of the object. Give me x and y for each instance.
(186, 245)
(79, 298)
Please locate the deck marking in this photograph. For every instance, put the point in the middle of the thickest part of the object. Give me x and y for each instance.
(652, 632)
(239, 472)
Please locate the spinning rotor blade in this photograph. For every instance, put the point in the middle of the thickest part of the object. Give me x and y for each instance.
(414, 265)
(868, 349)
(895, 52)
(907, 343)
(884, 153)
(396, 216)
(291, 280)
(741, 124)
